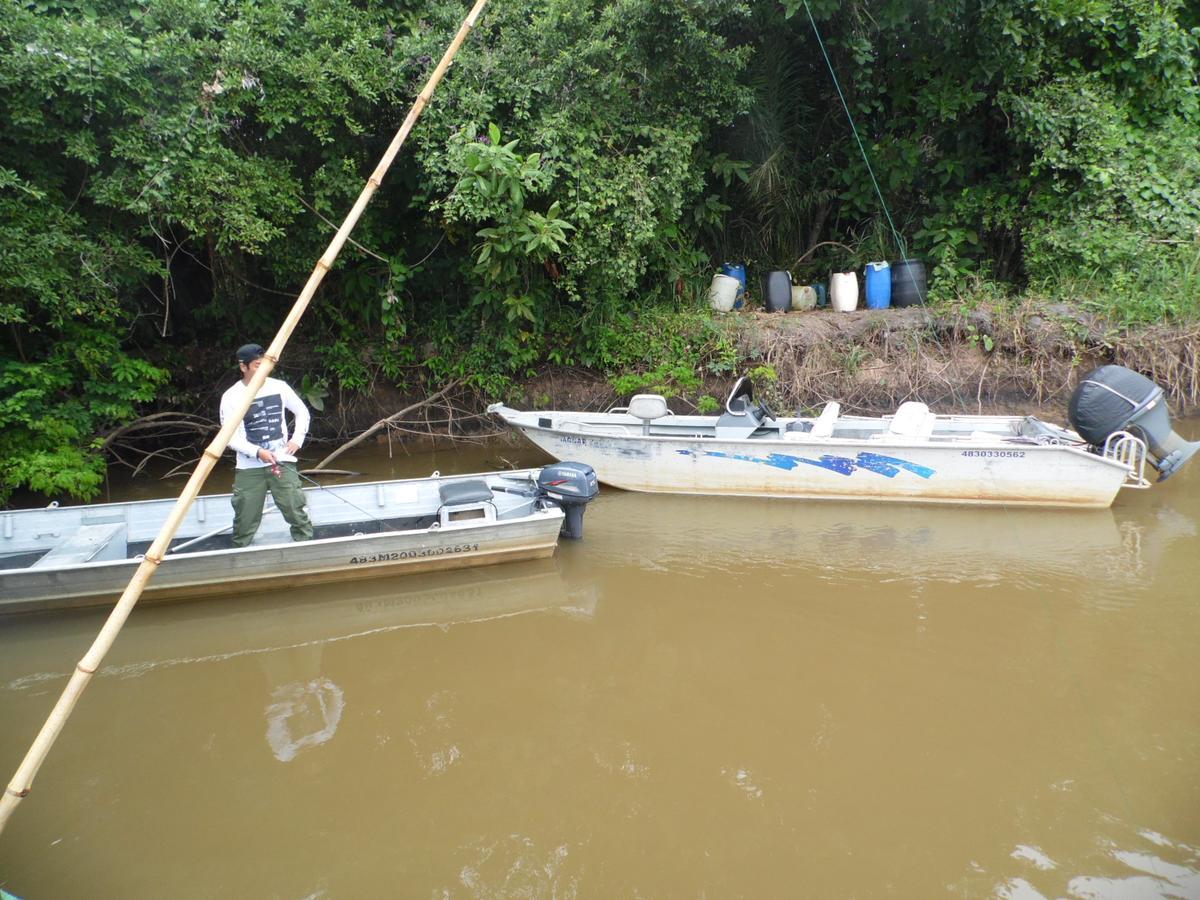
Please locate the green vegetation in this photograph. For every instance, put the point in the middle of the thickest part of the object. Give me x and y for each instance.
(169, 173)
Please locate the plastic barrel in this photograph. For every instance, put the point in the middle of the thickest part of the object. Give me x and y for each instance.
(878, 278)
(822, 296)
(843, 291)
(803, 297)
(722, 293)
(908, 282)
(738, 271)
(778, 293)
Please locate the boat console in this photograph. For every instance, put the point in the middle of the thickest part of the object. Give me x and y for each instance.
(743, 415)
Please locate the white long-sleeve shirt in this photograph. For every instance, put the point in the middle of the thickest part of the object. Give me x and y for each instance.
(264, 425)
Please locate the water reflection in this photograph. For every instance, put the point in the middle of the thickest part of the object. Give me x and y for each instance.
(515, 866)
(1138, 866)
(704, 536)
(286, 629)
(303, 715)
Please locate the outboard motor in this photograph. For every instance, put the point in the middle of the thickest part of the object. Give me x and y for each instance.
(572, 486)
(1113, 398)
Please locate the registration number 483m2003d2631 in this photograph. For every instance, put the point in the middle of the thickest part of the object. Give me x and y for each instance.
(398, 555)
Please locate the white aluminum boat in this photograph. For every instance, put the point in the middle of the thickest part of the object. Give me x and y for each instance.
(85, 555)
(913, 455)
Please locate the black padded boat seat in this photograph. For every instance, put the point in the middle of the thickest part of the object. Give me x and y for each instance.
(459, 492)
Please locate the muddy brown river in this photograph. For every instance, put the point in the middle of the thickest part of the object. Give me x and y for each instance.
(706, 697)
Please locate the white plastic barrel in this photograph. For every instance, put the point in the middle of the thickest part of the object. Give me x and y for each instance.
(843, 291)
(722, 293)
(803, 297)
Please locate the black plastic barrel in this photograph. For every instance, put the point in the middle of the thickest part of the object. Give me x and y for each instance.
(908, 282)
(778, 295)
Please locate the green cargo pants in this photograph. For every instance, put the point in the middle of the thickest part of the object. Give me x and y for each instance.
(250, 488)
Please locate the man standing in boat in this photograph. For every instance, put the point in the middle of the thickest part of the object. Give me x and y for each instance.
(266, 453)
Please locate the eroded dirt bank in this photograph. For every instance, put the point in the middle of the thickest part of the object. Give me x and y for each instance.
(985, 361)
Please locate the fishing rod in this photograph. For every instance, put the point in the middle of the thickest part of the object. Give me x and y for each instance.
(22, 781)
(383, 522)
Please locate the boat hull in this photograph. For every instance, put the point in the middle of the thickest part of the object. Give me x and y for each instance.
(1029, 475)
(280, 566)
(372, 530)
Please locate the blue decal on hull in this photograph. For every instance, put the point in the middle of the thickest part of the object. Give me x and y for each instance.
(887, 466)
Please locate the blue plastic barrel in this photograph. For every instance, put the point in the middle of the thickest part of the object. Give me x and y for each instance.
(878, 276)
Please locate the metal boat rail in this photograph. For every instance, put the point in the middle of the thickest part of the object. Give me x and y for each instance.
(1130, 451)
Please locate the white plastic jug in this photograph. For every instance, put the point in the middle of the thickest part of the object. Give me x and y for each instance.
(843, 291)
(722, 293)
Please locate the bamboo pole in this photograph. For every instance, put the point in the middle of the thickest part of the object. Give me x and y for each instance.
(22, 782)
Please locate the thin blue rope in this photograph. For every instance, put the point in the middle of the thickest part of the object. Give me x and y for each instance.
(861, 149)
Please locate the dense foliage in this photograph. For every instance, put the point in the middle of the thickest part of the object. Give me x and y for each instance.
(169, 173)
(1049, 144)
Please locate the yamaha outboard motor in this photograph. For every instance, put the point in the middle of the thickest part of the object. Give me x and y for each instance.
(570, 485)
(1113, 398)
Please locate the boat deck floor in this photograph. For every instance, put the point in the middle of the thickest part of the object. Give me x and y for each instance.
(224, 541)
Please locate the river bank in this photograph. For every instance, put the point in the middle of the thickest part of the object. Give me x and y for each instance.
(989, 359)
(998, 359)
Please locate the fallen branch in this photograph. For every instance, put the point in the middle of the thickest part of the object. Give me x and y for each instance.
(383, 423)
(158, 421)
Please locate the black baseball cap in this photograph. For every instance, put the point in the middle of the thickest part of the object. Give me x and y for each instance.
(248, 353)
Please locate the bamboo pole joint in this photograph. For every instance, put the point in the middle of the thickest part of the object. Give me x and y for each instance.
(84, 669)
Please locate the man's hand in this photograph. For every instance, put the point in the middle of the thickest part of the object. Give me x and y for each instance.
(267, 456)
(292, 447)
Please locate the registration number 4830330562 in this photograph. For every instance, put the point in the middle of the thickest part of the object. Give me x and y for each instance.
(995, 454)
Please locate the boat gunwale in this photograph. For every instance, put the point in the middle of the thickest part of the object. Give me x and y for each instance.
(82, 508)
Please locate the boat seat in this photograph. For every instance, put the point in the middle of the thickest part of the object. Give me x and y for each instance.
(88, 543)
(823, 425)
(458, 492)
(647, 407)
(912, 420)
(464, 501)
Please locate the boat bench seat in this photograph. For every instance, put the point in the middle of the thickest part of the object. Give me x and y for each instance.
(821, 427)
(88, 543)
(458, 492)
(913, 419)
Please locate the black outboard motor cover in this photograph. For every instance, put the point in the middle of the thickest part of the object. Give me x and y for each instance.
(1113, 398)
(1106, 399)
(571, 485)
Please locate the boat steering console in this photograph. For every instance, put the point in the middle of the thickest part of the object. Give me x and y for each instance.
(741, 403)
(743, 415)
